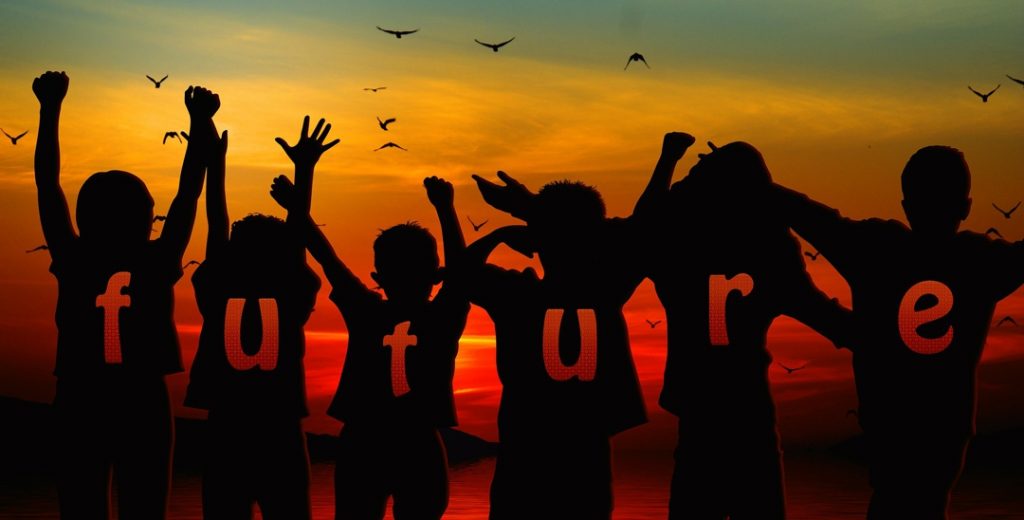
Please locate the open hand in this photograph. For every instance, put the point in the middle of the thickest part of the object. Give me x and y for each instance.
(310, 147)
(201, 103)
(50, 88)
(439, 191)
(283, 191)
(512, 198)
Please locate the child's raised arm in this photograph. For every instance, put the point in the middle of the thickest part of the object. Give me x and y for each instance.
(50, 89)
(181, 217)
(673, 147)
(442, 196)
(216, 199)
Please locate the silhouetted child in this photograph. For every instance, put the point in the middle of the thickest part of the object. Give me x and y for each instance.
(725, 266)
(396, 383)
(568, 378)
(116, 336)
(255, 292)
(923, 299)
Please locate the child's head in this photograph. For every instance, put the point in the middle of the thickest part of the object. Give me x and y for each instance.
(936, 190)
(261, 243)
(730, 186)
(406, 263)
(114, 209)
(565, 223)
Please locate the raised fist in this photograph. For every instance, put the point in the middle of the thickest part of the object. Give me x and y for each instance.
(676, 144)
(439, 191)
(201, 103)
(50, 88)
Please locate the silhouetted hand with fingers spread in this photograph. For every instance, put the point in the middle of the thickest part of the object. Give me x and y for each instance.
(513, 198)
(282, 191)
(310, 147)
(50, 88)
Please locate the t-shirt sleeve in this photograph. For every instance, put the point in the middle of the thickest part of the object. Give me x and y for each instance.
(1005, 265)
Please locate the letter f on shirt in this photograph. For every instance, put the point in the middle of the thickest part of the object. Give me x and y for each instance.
(112, 301)
(399, 340)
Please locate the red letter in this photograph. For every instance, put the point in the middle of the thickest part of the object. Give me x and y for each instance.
(111, 302)
(399, 340)
(719, 288)
(266, 357)
(910, 319)
(585, 367)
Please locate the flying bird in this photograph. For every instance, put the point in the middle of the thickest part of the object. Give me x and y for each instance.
(476, 227)
(1016, 80)
(384, 124)
(14, 140)
(190, 262)
(653, 323)
(155, 82)
(495, 46)
(398, 34)
(636, 56)
(159, 218)
(43, 247)
(984, 97)
(1007, 319)
(794, 369)
(172, 135)
(813, 256)
(994, 231)
(374, 89)
(1006, 214)
(389, 144)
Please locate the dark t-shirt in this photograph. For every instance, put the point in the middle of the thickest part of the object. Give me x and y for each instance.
(518, 303)
(148, 338)
(728, 375)
(214, 383)
(366, 392)
(901, 389)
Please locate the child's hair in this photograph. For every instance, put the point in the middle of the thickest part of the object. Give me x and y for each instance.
(936, 170)
(114, 204)
(406, 244)
(261, 238)
(573, 201)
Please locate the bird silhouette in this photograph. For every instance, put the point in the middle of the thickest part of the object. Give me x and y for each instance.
(183, 134)
(636, 56)
(813, 256)
(389, 144)
(495, 46)
(476, 227)
(994, 231)
(173, 135)
(43, 247)
(984, 97)
(155, 82)
(14, 140)
(1021, 81)
(1007, 214)
(653, 323)
(384, 124)
(190, 262)
(398, 34)
(794, 369)
(374, 89)
(1007, 319)
(159, 218)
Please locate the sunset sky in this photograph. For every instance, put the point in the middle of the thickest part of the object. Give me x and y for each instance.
(837, 95)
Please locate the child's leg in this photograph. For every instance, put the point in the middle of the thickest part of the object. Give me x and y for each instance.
(912, 476)
(143, 459)
(227, 470)
(283, 489)
(697, 483)
(361, 474)
(82, 448)
(422, 489)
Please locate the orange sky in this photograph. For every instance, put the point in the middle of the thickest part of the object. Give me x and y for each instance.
(837, 97)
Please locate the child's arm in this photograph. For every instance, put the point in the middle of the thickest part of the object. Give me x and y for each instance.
(50, 89)
(828, 231)
(812, 307)
(202, 105)
(673, 148)
(216, 199)
(513, 198)
(442, 195)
